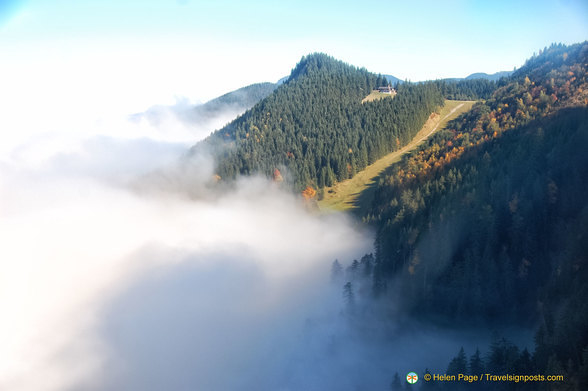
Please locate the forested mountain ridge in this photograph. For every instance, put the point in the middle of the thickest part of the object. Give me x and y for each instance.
(315, 128)
(487, 223)
(232, 103)
(240, 99)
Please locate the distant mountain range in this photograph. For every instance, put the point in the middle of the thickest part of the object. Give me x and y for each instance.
(479, 75)
(392, 79)
(493, 77)
(225, 107)
(241, 99)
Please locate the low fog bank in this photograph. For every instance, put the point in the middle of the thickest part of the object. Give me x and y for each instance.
(124, 267)
(107, 288)
(114, 276)
(222, 324)
(197, 119)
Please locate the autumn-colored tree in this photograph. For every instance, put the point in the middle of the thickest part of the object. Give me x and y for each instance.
(309, 193)
(278, 176)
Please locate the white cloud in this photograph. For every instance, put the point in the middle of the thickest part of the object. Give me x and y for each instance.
(87, 233)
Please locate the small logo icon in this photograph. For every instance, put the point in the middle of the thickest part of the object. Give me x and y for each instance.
(412, 377)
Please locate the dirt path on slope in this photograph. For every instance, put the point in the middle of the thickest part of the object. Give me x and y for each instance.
(346, 195)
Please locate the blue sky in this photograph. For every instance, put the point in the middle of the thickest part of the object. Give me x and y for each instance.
(154, 50)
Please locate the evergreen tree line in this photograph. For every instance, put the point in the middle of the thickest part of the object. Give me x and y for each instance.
(468, 89)
(504, 357)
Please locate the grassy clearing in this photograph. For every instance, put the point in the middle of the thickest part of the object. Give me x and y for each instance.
(355, 194)
(375, 95)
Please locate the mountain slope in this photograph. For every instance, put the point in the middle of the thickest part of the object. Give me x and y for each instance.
(356, 193)
(487, 223)
(432, 182)
(315, 129)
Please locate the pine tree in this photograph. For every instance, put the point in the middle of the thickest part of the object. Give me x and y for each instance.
(348, 294)
(336, 271)
(476, 366)
(458, 364)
